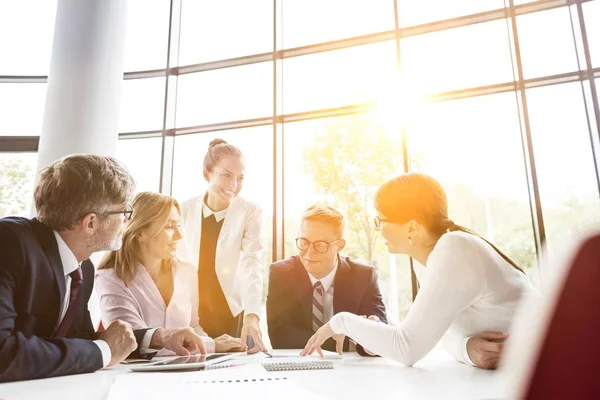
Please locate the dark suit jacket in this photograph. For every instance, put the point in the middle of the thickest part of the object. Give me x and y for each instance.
(32, 289)
(289, 302)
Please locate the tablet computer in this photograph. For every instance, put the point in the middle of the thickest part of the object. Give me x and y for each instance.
(182, 363)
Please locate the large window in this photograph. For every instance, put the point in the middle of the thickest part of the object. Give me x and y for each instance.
(342, 87)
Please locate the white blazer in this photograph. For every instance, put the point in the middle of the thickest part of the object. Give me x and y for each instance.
(238, 261)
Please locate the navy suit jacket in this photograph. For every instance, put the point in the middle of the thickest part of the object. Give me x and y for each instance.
(289, 302)
(32, 289)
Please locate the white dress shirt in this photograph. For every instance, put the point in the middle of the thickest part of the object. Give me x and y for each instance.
(467, 288)
(328, 287)
(70, 264)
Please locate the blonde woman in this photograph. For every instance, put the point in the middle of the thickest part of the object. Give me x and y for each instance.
(144, 284)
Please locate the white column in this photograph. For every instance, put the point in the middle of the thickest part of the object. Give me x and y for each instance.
(84, 83)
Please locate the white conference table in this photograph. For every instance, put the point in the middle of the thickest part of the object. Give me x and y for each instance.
(437, 376)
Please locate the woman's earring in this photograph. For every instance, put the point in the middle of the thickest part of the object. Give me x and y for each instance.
(409, 242)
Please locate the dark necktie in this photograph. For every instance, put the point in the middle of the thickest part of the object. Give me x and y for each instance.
(76, 286)
(317, 306)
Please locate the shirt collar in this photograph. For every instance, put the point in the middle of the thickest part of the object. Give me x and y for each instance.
(68, 259)
(326, 281)
(207, 212)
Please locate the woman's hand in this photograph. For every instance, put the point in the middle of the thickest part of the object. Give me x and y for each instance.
(251, 328)
(226, 343)
(320, 336)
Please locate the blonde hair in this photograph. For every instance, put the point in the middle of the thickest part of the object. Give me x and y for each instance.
(148, 207)
(79, 184)
(217, 149)
(326, 214)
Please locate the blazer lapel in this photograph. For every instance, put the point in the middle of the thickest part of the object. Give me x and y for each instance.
(48, 242)
(342, 291)
(303, 291)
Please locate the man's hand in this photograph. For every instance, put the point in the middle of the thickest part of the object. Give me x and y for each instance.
(371, 318)
(226, 343)
(183, 341)
(251, 328)
(485, 349)
(121, 340)
(320, 336)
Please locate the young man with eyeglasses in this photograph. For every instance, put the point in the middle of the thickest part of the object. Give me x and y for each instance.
(46, 277)
(306, 290)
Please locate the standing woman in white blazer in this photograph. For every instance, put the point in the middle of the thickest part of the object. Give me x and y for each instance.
(221, 237)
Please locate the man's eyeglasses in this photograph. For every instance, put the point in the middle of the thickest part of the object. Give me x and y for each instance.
(320, 246)
(377, 221)
(127, 212)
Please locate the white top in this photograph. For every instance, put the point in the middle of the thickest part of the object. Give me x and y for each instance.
(467, 288)
(70, 264)
(327, 282)
(219, 215)
(141, 304)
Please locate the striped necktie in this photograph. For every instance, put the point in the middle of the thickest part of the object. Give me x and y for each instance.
(317, 306)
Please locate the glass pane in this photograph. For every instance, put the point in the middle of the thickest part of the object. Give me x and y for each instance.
(591, 13)
(22, 106)
(421, 12)
(27, 30)
(564, 162)
(342, 161)
(256, 145)
(142, 158)
(337, 78)
(459, 58)
(546, 41)
(223, 95)
(142, 104)
(147, 34)
(313, 21)
(242, 27)
(473, 147)
(17, 174)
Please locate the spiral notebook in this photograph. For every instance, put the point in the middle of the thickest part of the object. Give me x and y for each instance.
(297, 365)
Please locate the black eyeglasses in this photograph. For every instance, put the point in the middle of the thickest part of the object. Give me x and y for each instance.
(127, 212)
(377, 221)
(320, 246)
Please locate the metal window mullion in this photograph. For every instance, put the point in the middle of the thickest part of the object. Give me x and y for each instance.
(170, 98)
(590, 76)
(528, 151)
